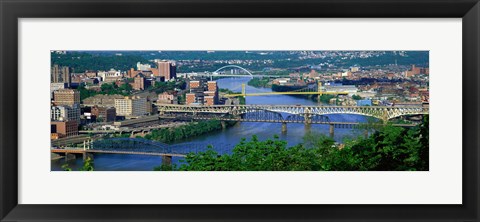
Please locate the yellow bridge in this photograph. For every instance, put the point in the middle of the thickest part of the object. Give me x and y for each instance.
(304, 91)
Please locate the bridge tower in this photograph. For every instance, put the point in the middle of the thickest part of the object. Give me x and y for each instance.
(244, 91)
(319, 90)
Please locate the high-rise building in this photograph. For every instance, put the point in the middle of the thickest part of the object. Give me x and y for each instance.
(139, 82)
(60, 74)
(67, 97)
(131, 106)
(168, 69)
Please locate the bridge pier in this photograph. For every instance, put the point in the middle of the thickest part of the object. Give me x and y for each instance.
(167, 160)
(86, 155)
(69, 156)
(332, 130)
(365, 133)
(284, 127)
(224, 124)
(308, 120)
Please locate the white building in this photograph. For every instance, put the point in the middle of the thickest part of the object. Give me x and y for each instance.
(131, 106)
(65, 113)
(350, 89)
(111, 73)
(143, 67)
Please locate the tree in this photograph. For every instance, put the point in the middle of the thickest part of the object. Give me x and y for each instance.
(87, 165)
(389, 148)
(356, 97)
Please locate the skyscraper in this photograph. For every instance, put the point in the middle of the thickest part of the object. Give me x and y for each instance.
(168, 69)
(60, 75)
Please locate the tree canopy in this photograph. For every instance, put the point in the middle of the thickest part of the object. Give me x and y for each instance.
(390, 148)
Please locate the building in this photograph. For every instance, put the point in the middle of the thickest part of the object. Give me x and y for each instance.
(346, 74)
(416, 70)
(167, 98)
(131, 106)
(190, 98)
(143, 67)
(64, 128)
(101, 100)
(364, 102)
(91, 73)
(209, 100)
(66, 97)
(110, 76)
(54, 86)
(64, 113)
(168, 69)
(194, 84)
(212, 86)
(139, 82)
(104, 114)
(350, 89)
(60, 74)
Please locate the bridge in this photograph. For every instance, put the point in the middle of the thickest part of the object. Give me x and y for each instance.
(308, 113)
(128, 146)
(317, 90)
(82, 151)
(217, 73)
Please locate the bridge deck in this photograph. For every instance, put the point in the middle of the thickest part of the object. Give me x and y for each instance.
(81, 151)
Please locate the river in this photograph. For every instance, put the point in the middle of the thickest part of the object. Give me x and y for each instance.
(224, 141)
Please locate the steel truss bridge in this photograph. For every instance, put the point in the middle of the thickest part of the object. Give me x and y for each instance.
(315, 90)
(131, 146)
(306, 114)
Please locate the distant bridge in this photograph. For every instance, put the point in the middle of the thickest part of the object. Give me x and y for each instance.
(317, 90)
(217, 73)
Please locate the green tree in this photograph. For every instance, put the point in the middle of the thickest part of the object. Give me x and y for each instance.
(87, 165)
(388, 148)
(356, 97)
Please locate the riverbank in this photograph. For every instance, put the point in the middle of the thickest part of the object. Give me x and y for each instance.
(260, 82)
(169, 135)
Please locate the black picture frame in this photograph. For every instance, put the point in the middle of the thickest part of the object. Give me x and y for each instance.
(12, 10)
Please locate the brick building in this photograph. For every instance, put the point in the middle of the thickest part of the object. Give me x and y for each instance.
(64, 128)
(139, 82)
(190, 98)
(66, 97)
(168, 69)
(104, 114)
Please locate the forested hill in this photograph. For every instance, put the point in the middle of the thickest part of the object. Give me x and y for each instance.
(124, 60)
(81, 61)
